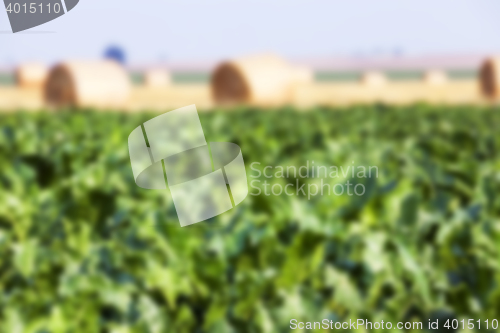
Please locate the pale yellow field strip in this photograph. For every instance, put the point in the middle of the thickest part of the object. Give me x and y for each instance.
(170, 97)
(398, 93)
(328, 94)
(13, 98)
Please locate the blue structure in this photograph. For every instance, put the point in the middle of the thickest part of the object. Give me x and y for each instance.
(115, 53)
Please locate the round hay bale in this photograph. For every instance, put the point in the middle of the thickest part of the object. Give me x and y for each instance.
(374, 79)
(489, 77)
(157, 79)
(259, 80)
(31, 75)
(100, 84)
(435, 78)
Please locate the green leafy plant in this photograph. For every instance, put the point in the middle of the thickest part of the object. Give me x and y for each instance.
(83, 249)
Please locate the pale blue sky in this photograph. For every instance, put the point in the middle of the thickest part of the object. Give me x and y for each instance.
(150, 30)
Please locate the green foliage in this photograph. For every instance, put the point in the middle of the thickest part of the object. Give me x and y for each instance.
(83, 249)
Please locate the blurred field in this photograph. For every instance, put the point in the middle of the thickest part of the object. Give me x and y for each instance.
(83, 249)
(13, 99)
(397, 93)
(171, 97)
(456, 92)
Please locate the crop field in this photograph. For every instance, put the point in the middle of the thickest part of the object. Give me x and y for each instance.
(83, 249)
